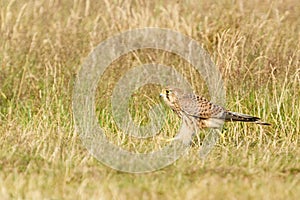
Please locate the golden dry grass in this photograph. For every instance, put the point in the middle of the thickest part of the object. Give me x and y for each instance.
(255, 44)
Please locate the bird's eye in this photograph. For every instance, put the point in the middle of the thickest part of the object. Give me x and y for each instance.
(167, 91)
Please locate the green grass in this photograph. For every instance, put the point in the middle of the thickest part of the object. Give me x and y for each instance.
(256, 46)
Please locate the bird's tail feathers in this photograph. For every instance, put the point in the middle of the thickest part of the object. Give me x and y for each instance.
(262, 123)
(233, 116)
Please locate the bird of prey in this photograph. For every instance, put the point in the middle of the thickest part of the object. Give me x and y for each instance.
(197, 112)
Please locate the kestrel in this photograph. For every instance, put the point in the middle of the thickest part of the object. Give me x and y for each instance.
(196, 111)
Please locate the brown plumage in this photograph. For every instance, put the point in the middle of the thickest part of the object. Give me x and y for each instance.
(201, 111)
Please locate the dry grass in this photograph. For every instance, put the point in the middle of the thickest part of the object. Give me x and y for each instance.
(255, 44)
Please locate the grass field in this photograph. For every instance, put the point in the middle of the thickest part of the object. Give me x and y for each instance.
(255, 44)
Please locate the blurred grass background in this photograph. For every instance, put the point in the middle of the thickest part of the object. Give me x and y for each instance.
(255, 44)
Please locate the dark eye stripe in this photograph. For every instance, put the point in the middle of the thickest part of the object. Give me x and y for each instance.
(167, 94)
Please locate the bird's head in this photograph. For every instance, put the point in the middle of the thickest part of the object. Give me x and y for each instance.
(170, 96)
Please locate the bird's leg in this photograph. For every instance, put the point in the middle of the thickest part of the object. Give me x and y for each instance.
(184, 137)
(186, 132)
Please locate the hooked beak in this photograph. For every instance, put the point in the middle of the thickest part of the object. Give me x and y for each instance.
(162, 94)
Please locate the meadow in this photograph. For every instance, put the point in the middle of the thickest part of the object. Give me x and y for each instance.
(255, 45)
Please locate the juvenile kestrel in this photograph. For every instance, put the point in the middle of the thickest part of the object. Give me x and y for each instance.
(196, 111)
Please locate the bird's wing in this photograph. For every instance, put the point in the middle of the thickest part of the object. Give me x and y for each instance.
(200, 107)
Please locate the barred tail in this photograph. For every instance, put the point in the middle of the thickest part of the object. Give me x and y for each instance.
(233, 116)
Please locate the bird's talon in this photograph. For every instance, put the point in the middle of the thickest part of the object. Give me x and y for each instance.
(170, 140)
